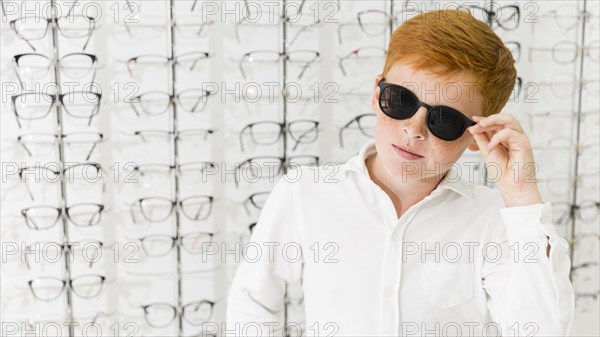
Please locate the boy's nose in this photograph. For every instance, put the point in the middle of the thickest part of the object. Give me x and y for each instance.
(415, 126)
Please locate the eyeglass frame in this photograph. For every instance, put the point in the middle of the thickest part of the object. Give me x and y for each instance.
(250, 199)
(492, 15)
(283, 129)
(282, 162)
(176, 168)
(173, 99)
(285, 55)
(175, 204)
(54, 21)
(173, 23)
(17, 57)
(65, 284)
(56, 98)
(577, 50)
(389, 17)
(169, 59)
(587, 14)
(63, 136)
(176, 134)
(176, 311)
(574, 212)
(64, 248)
(283, 18)
(356, 119)
(356, 52)
(60, 213)
(175, 241)
(60, 173)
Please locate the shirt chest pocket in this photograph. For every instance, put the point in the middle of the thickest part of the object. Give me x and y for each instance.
(447, 284)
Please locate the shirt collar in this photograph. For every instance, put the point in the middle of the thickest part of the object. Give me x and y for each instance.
(452, 180)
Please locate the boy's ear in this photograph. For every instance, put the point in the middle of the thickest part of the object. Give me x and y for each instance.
(378, 78)
(375, 98)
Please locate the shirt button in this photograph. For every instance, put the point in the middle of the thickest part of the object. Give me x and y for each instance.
(388, 291)
(395, 236)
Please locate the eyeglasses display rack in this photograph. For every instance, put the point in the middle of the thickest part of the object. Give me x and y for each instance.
(61, 160)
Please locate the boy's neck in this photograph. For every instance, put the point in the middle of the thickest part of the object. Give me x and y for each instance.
(404, 194)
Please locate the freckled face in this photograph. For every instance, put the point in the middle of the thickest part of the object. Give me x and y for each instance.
(437, 155)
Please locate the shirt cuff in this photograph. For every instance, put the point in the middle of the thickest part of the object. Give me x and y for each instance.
(528, 222)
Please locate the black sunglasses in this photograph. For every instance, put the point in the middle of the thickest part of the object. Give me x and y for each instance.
(400, 103)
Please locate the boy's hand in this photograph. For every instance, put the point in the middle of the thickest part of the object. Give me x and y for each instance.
(505, 148)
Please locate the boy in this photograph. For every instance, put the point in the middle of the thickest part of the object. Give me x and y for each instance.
(411, 248)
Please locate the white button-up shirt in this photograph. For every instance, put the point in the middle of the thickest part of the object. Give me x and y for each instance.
(456, 263)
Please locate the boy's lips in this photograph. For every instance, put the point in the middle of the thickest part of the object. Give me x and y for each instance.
(408, 149)
(406, 152)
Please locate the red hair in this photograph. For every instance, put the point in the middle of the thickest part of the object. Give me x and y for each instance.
(451, 42)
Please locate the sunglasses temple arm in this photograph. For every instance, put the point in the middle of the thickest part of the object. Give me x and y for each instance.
(200, 30)
(87, 158)
(88, 38)
(342, 67)
(241, 142)
(21, 82)
(304, 69)
(344, 128)
(14, 108)
(135, 99)
(341, 138)
(301, 5)
(129, 70)
(128, 29)
(75, 3)
(198, 213)
(29, 43)
(132, 215)
(94, 74)
(299, 140)
(296, 36)
(242, 69)
(200, 99)
(296, 143)
(29, 191)
(26, 150)
(27, 263)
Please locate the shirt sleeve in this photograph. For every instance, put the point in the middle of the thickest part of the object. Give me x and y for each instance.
(529, 293)
(256, 297)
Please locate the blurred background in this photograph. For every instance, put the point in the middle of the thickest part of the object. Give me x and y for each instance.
(125, 123)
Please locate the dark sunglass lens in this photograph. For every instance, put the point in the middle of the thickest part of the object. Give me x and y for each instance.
(445, 123)
(397, 102)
